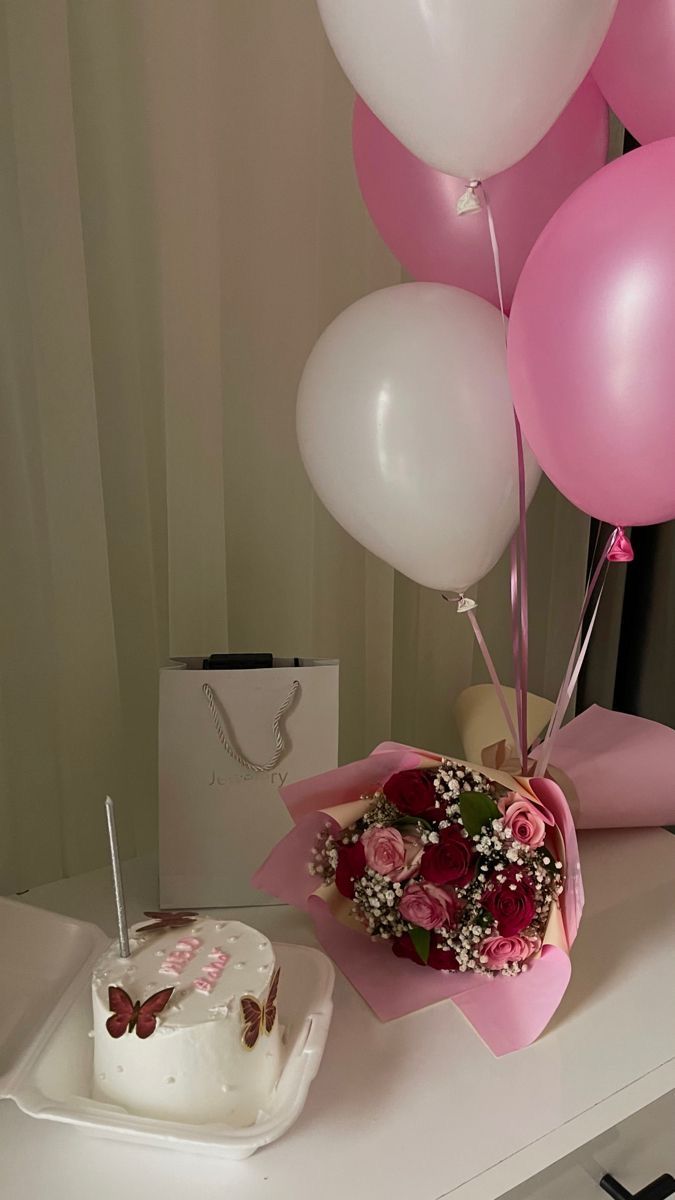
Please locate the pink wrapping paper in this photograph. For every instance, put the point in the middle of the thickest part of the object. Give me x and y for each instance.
(508, 1013)
(621, 769)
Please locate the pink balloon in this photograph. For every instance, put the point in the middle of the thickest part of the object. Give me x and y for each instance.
(414, 206)
(635, 68)
(592, 342)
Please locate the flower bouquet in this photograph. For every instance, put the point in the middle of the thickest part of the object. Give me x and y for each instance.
(429, 879)
(450, 868)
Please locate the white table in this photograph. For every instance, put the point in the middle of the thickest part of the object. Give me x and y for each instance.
(417, 1108)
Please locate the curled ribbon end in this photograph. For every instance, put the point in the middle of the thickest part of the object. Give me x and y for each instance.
(620, 550)
(469, 201)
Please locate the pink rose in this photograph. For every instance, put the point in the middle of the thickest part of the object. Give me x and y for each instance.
(501, 951)
(384, 849)
(446, 896)
(428, 906)
(526, 820)
(413, 850)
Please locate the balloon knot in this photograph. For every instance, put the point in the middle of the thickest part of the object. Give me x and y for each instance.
(620, 550)
(469, 201)
(465, 604)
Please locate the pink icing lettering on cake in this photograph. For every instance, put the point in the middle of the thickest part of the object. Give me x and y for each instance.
(213, 970)
(176, 962)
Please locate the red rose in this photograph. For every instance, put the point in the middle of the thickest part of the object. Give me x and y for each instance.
(451, 859)
(403, 948)
(512, 903)
(439, 959)
(351, 864)
(412, 792)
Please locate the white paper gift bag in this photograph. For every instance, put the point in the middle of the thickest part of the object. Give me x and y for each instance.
(228, 740)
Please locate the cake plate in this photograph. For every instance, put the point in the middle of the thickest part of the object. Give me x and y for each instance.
(46, 1055)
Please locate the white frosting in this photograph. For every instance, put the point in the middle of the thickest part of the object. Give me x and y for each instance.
(194, 1067)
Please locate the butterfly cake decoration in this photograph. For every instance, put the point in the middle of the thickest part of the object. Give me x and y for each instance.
(129, 1015)
(258, 1018)
(167, 920)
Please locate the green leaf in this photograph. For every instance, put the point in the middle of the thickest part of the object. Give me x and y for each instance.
(421, 940)
(483, 918)
(477, 809)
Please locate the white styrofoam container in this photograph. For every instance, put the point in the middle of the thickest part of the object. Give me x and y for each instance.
(46, 1054)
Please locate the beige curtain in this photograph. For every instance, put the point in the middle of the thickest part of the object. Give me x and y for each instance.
(179, 220)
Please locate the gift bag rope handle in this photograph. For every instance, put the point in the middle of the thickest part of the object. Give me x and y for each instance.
(215, 708)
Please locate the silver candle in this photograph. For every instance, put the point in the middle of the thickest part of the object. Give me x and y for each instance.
(120, 907)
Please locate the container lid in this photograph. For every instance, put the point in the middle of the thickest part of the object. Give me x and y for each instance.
(44, 959)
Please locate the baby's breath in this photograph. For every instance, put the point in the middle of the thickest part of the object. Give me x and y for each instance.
(381, 812)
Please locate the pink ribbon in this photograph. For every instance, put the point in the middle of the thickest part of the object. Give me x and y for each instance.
(492, 671)
(617, 549)
(519, 605)
(469, 606)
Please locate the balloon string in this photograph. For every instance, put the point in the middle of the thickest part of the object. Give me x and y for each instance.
(492, 670)
(516, 635)
(522, 608)
(577, 655)
(519, 599)
(570, 684)
(495, 253)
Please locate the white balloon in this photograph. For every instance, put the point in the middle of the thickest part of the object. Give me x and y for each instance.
(406, 430)
(470, 86)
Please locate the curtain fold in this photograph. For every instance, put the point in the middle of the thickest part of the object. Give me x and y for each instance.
(180, 221)
(631, 658)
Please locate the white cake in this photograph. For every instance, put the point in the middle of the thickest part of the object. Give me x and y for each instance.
(194, 1065)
